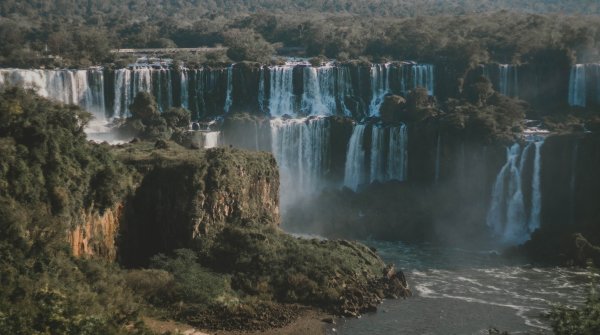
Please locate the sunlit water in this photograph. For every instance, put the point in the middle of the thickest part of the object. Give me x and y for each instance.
(459, 291)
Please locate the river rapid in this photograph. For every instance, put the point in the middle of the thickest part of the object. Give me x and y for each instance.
(458, 291)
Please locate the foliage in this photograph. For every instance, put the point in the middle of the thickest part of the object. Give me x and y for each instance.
(67, 34)
(48, 175)
(492, 118)
(247, 45)
(267, 263)
(583, 320)
(148, 123)
(192, 282)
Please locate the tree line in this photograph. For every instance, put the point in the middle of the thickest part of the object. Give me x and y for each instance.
(68, 34)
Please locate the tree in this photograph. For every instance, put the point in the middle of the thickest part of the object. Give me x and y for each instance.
(144, 107)
(247, 45)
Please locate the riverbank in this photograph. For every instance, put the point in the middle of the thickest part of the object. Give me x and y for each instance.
(310, 321)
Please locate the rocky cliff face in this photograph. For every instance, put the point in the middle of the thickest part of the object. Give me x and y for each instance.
(96, 236)
(186, 198)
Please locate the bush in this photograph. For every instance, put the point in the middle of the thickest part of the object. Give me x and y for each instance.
(192, 282)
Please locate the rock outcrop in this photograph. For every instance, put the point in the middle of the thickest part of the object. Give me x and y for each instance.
(185, 196)
(96, 237)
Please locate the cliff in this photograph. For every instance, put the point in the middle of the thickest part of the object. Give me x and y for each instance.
(185, 196)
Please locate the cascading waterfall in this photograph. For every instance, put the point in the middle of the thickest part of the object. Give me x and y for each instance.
(380, 87)
(281, 98)
(229, 94)
(397, 164)
(81, 87)
(343, 88)
(412, 76)
(536, 194)
(211, 139)
(184, 89)
(318, 97)
(507, 216)
(423, 77)
(355, 169)
(261, 90)
(127, 84)
(388, 156)
(508, 80)
(577, 86)
(300, 148)
(329, 89)
(377, 154)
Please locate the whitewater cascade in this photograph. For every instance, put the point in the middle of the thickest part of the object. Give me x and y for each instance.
(507, 216)
(295, 88)
(508, 80)
(577, 86)
(80, 87)
(380, 86)
(281, 99)
(184, 89)
(229, 94)
(210, 139)
(385, 159)
(300, 147)
(584, 85)
(354, 169)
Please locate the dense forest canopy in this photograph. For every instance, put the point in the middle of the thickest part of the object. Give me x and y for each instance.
(190, 9)
(71, 33)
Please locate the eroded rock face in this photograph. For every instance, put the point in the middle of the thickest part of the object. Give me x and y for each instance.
(181, 203)
(96, 236)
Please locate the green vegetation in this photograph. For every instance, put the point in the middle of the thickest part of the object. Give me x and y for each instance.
(48, 175)
(584, 320)
(69, 34)
(147, 123)
(238, 271)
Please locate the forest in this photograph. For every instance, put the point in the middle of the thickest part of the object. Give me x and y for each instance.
(63, 34)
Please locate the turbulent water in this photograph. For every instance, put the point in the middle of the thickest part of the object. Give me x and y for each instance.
(511, 218)
(458, 291)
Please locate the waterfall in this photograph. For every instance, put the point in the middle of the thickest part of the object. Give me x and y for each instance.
(261, 90)
(343, 88)
(536, 194)
(380, 87)
(354, 172)
(184, 89)
(81, 87)
(211, 139)
(281, 92)
(398, 153)
(318, 97)
(507, 216)
(577, 86)
(423, 77)
(413, 75)
(229, 97)
(300, 147)
(508, 80)
(387, 161)
(377, 154)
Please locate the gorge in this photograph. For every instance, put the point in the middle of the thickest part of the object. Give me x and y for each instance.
(369, 152)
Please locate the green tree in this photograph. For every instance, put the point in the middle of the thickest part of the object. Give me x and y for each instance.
(247, 45)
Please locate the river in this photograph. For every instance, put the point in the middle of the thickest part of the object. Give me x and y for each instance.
(458, 291)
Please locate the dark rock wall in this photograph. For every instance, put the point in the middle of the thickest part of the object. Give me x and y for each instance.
(183, 203)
